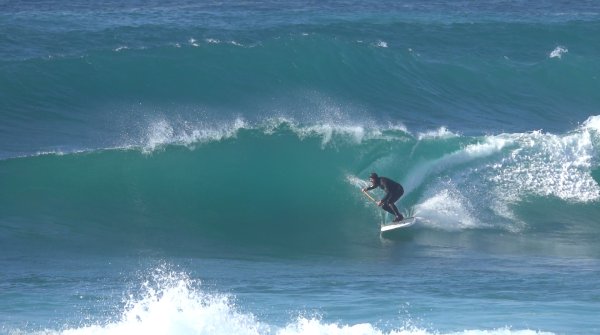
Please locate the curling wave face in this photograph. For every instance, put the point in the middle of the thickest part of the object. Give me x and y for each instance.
(280, 182)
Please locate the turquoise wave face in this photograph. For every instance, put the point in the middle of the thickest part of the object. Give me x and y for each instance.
(292, 186)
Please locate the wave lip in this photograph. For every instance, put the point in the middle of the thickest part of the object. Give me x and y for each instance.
(163, 132)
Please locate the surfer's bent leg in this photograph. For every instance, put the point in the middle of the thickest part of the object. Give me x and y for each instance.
(386, 207)
(399, 216)
(391, 204)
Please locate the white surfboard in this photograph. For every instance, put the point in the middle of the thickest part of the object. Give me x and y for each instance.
(397, 226)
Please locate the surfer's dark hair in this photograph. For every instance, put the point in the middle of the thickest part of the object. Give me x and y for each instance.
(374, 176)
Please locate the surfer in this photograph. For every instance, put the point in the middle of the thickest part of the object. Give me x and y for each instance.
(393, 192)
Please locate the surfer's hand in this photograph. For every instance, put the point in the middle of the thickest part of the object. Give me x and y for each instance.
(364, 189)
(380, 203)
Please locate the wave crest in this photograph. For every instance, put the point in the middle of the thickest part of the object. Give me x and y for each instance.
(172, 303)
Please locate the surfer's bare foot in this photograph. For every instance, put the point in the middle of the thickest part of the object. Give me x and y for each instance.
(398, 218)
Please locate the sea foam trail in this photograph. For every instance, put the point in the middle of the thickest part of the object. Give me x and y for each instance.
(172, 303)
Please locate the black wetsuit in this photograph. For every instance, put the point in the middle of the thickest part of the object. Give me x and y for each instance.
(393, 192)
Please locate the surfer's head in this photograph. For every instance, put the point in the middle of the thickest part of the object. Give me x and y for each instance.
(374, 178)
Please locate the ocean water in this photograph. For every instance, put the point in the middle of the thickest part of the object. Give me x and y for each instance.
(182, 167)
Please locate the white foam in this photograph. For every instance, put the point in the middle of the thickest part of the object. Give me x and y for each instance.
(448, 210)
(440, 133)
(327, 131)
(517, 166)
(490, 146)
(217, 41)
(330, 130)
(159, 133)
(172, 303)
(530, 164)
(382, 44)
(193, 42)
(356, 133)
(550, 165)
(356, 182)
(397, 127)
(558, 52)
(163, 132)
(592, 124)
(501, 208)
